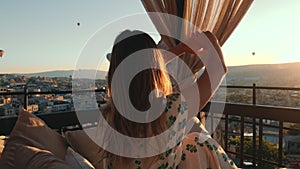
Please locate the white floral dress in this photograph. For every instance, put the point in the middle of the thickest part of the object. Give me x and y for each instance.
(196, 150)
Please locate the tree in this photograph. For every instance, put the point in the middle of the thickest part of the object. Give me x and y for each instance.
(269, 150)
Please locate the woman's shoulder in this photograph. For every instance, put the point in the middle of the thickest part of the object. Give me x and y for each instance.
(173, 103)
(173, 96)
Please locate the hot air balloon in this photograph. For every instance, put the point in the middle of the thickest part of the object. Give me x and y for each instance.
(2, 53)
(108, 56)
(253, 53)
(78, 23)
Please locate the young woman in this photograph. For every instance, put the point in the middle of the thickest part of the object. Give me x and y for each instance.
(195, 150)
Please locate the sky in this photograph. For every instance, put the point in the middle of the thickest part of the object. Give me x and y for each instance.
(42, 35)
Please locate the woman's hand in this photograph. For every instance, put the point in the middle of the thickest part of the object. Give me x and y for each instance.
(199, 44)
(189, 55)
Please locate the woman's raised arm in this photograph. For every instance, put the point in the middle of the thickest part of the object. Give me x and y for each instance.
(215, 70)
(212, 59)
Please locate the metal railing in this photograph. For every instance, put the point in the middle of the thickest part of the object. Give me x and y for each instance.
(257, 113)
(26, 93)
(55, 120)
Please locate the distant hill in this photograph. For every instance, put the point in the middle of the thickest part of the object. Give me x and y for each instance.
(286, 74)
(66, 73)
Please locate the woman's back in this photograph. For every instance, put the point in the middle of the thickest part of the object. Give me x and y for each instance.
(150, 143)
(196, 150)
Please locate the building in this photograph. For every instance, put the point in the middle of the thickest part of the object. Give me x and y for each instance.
(3, 90)
(33, 108)
(292, 145)
(59, 106)
(7, 110)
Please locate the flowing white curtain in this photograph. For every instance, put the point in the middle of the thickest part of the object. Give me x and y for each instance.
(220, 17)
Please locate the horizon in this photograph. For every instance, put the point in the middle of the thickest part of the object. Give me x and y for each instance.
(36, 39)
(54, 70)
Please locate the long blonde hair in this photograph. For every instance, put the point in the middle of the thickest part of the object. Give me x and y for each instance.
(141, 85)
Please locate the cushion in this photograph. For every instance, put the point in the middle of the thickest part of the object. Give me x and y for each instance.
(28, 157)
(2, 140)
(30, 131)
(76, 161)
(85, 146)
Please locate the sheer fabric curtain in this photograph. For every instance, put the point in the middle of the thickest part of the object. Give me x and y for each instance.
(220, 17)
